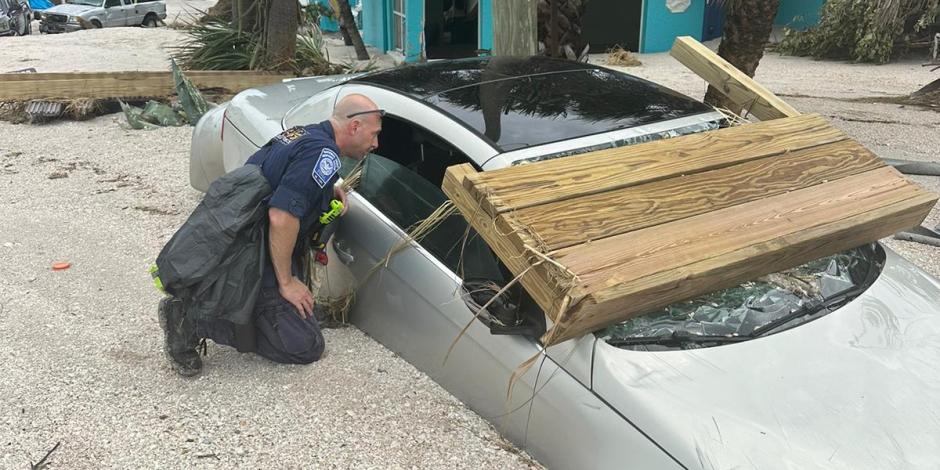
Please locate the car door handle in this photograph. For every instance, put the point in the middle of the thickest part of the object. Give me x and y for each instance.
(342, 252)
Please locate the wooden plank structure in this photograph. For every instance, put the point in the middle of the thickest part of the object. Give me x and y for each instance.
(101, 85)
(608, 235)
(751, 96)
(615, 233)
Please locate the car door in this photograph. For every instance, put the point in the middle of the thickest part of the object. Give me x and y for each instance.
(412, 302)
(114, 13)
(133, 15)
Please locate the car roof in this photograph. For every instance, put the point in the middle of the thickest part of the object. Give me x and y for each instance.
(514, 103)
(426, 79)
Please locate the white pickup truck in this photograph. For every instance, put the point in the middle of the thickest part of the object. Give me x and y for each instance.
(80, 14)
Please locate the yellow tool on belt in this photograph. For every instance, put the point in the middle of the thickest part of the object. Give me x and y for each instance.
(155, 274)
(318, 242)
(327, 227)
(336, 208)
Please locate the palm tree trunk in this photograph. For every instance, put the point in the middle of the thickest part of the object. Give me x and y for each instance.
(747, 30)
(559, 28)
(220, 11)
(348, 23)
(280, 34)
(347, 40)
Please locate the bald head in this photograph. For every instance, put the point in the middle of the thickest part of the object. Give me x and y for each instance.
(353, 104)
(357, 135)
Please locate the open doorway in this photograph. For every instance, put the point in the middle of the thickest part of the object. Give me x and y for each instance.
(608, 23)
(451, 28)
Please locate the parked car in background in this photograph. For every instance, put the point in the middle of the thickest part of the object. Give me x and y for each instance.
(829, 365)
(81, 14)
(15, 17)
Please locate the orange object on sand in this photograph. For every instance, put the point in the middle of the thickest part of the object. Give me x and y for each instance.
(61, 266)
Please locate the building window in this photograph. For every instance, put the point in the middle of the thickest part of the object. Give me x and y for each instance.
(398, 25)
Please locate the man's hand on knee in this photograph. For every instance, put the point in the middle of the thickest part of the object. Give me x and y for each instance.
(298, 295)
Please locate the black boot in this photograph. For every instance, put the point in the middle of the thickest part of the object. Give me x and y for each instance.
(180, 337)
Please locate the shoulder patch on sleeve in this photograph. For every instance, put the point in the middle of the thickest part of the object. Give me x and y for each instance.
(327, 165)
(290, 135)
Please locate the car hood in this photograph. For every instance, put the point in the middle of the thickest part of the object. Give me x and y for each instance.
(858, 388)
(69, 9)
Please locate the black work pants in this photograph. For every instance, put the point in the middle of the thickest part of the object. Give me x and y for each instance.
(281, 335)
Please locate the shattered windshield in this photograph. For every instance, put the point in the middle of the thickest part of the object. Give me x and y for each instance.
(767, 305)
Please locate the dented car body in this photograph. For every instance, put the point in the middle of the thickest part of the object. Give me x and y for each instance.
(829, 365)
(81, 14)
(15, 16)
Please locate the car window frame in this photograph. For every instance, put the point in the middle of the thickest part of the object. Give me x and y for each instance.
(401, 231)
(425, 116)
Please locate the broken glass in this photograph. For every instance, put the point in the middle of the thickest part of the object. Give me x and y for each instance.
(752, 308)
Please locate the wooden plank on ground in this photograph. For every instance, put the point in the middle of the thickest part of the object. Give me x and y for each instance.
(524, 186)
(101, 85)
(730, 81)
(595, 217)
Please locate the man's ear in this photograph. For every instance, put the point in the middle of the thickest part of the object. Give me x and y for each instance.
(354, 126)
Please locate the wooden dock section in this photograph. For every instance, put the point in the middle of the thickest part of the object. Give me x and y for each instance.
(612, 234)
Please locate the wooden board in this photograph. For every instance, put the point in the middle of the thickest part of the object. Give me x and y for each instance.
(566, 178)
(657, 223)
(595, 217)
(100, 85)
(738, 87)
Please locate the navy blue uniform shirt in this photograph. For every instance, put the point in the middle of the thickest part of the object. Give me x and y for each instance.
(301, 164)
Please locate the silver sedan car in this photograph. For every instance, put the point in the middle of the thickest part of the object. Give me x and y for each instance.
(833, 364)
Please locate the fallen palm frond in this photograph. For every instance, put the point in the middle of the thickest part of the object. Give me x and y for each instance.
(188, 109)
(864, 31)
(217, 45)
(84, 108)
(221, 45)
(34, 111)
(351, 180)
(192, 102)
(13, 111)
(418, 231)
(733, 118)
(622, 57)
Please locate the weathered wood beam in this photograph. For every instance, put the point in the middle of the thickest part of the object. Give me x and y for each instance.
(100, 85)
(607, 264)
(736, 85)
(595, 217)
(525, 186)
(841, 231)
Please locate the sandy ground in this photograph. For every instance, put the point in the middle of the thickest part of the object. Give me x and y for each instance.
(82, 359)
(82, 351)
